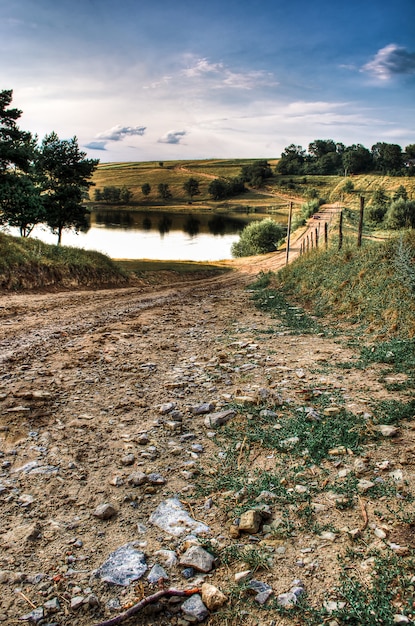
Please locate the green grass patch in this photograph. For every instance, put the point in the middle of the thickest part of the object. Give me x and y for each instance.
(293, 318)
(359, 286)
(181, 267)
(27, 263)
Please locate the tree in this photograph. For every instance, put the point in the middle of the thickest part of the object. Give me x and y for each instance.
(191, 187)
(164, 191)
(111, 195)
(20, 203)
(400, 193)
(401, 214)
(218, 189)
(292, 161)
(356, 159)
(259, 238)
(65, 175)
(146, 189)
(256, 173)
(125, 195)
(348, 186)
(388, 158)
(379, 206)
(16, 146)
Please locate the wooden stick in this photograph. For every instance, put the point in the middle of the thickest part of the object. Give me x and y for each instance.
(364, 514)
(118, 619)
(27, 599)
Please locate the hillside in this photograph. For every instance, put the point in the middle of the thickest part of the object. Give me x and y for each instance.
(278, 192)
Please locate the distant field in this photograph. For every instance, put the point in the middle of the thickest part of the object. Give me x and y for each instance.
(276, 196)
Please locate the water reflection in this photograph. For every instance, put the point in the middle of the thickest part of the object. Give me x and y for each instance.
(157, 235)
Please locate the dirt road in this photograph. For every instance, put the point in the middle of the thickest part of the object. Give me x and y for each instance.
(100, 403)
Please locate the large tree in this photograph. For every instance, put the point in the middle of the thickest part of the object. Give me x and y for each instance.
(20, 203)
(16, 145)
(388, 158)
(65, 175)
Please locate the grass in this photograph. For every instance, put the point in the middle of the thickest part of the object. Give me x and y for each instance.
(358, 286)
(30, 263)
(140, 267)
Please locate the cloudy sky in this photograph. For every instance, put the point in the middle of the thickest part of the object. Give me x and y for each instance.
(139, 80)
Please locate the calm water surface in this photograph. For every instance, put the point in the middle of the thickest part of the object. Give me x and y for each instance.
(157, 235)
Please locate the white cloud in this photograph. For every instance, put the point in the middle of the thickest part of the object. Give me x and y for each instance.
(390, 61)
(222, 76)
(173, 136)
(118, 133)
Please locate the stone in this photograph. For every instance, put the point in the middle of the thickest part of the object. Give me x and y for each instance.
(201, 409)
(289, 443)
(242, 576)
(195, 608)
(212, 597)
(123, 566)
(105, 511)
(167, 408)
(157, 573)
(218, 419)
(34, 616)
(168, 558)
(156, 479)
(364, 485)
(250, 521)
(137, 478)
(128, 459)
(77, 602)
(261, 590)
(52, 606)
(387, 430)
(400, 619)
(199, 558)
(172, 517)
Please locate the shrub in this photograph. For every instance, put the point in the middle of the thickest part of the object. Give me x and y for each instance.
(259, 238)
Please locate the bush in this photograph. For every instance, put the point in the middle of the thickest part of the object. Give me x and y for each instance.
(259, 238)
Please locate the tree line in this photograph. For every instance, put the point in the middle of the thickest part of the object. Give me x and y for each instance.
(40, 182)
(327, 157)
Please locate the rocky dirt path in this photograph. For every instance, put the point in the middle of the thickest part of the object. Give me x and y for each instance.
(108, 402)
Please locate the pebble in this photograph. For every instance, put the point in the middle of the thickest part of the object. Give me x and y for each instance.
(201, 409)
(212, 597)
(105, 511)
(250, 521)
(198, 558)
(194, 607)
(128, 459)
(218, 419)
(387, 430)
(157, 573)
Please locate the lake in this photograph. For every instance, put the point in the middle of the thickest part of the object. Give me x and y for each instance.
(162, 235)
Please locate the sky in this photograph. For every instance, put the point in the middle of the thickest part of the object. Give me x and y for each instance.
(144, 80)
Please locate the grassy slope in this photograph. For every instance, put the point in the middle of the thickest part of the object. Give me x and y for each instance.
(372, 287)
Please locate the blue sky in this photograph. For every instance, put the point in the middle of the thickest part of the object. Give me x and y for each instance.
(139, 80)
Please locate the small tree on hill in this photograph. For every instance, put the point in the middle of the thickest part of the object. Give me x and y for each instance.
(146, 189)
(164, 191)
(191, 187)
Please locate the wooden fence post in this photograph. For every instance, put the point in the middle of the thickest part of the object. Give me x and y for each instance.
(288, 233)
(326, 235)
(340, 230)
(360, 230)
